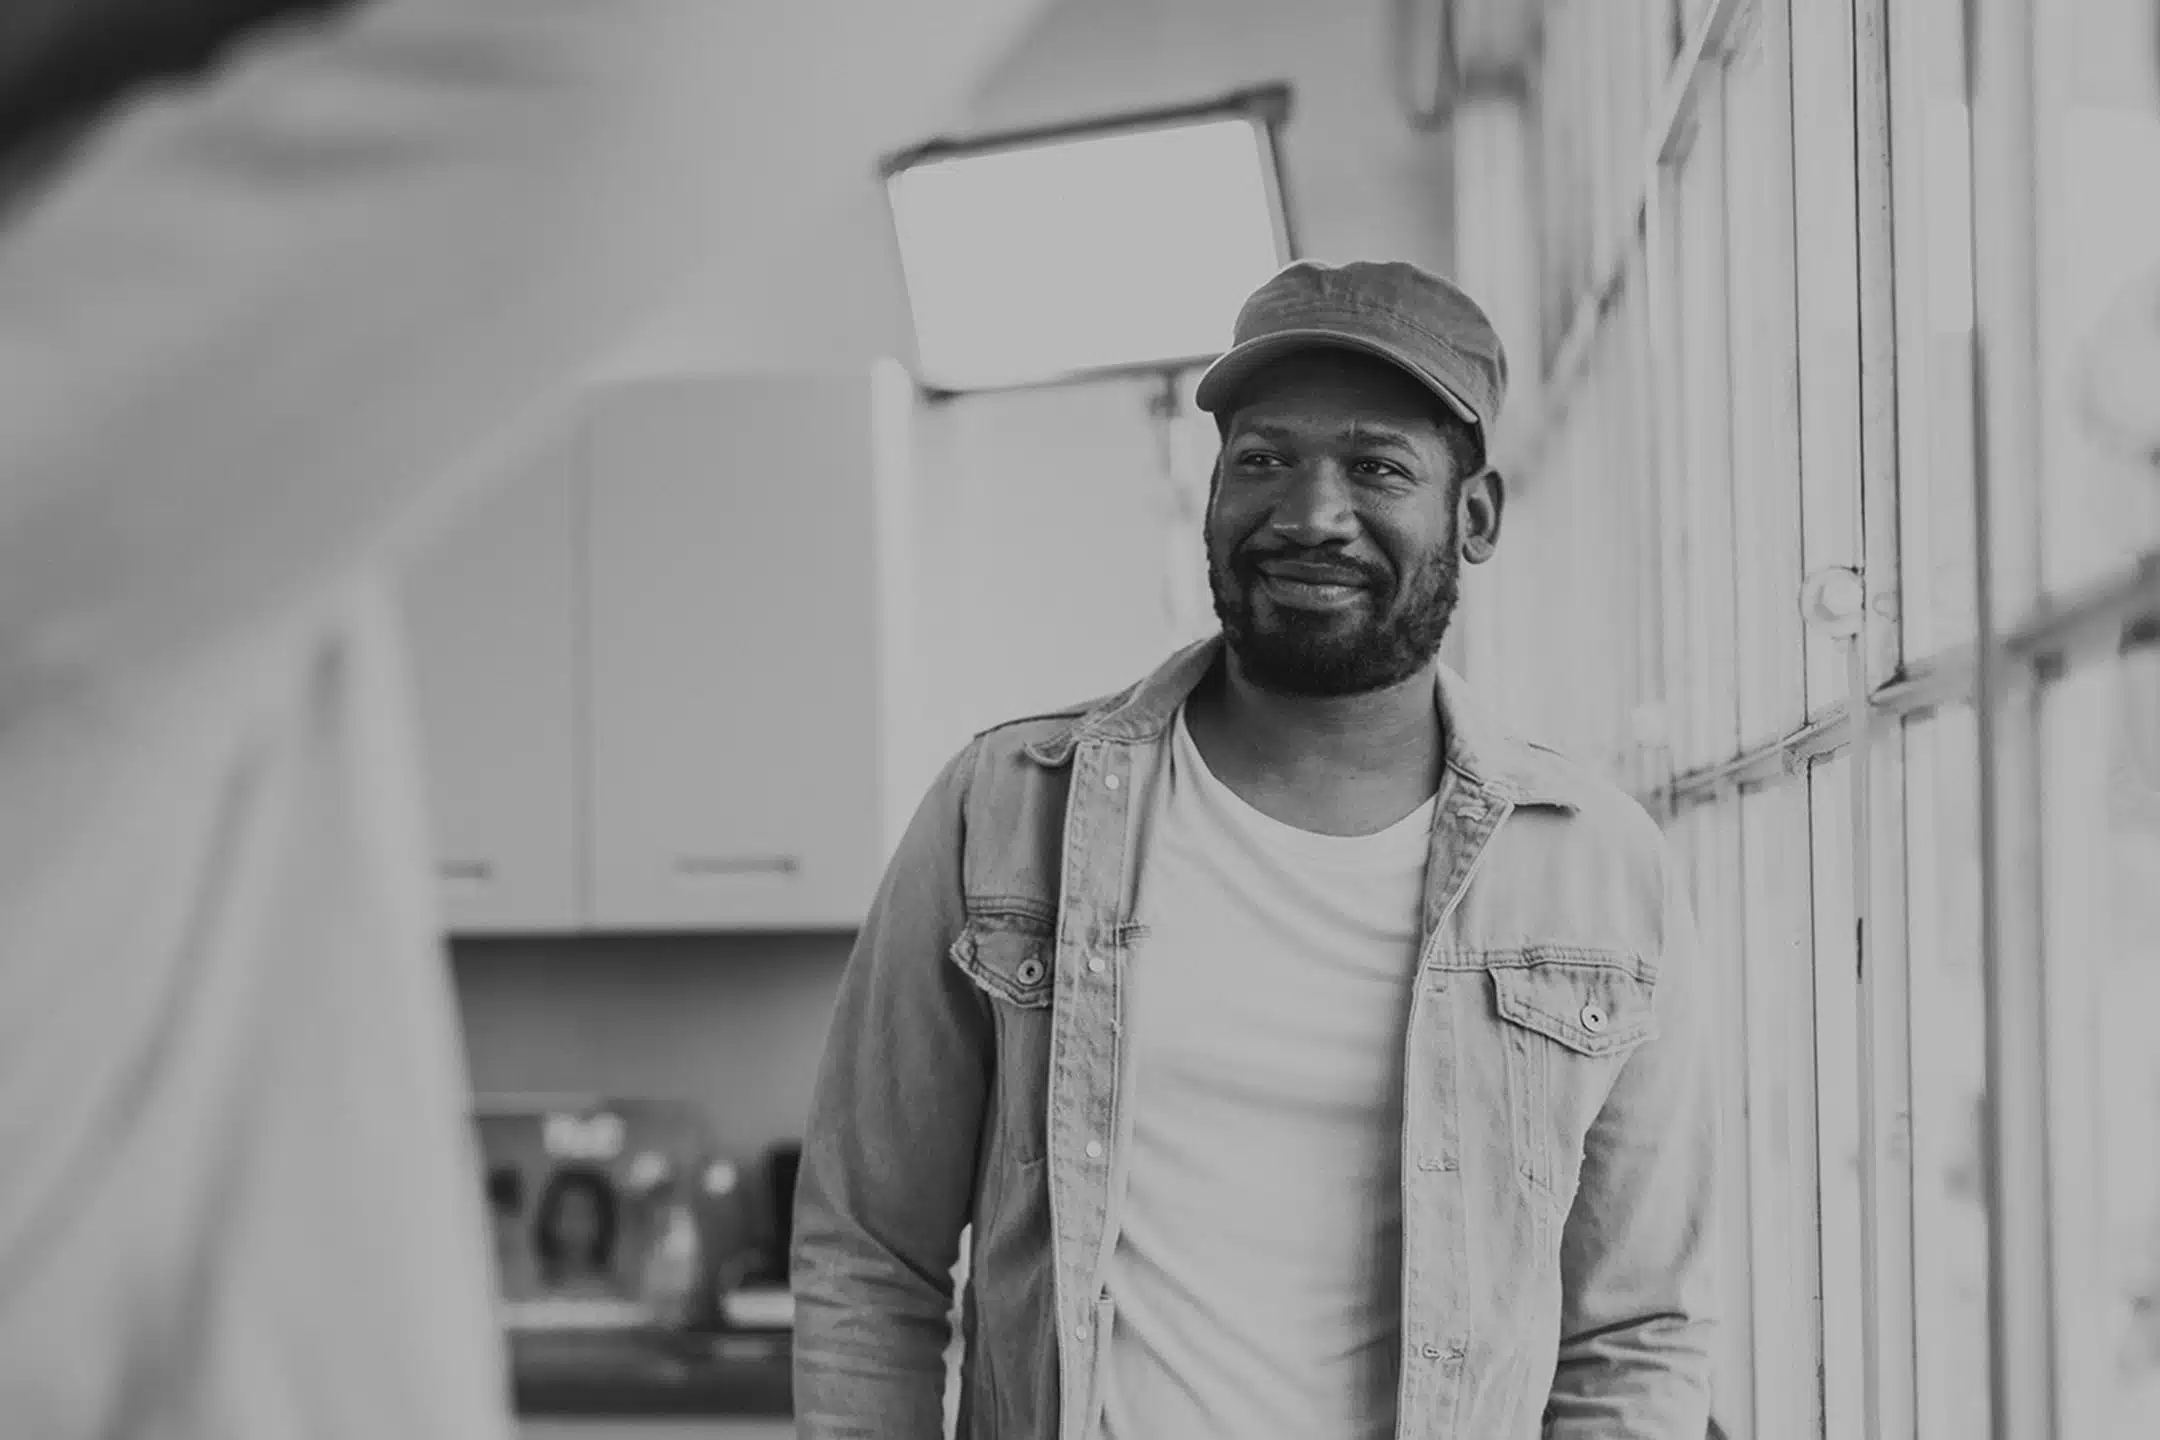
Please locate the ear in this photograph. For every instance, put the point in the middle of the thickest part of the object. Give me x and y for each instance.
(1477, 515)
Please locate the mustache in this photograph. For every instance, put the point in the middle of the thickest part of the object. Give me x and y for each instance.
(1245, 563)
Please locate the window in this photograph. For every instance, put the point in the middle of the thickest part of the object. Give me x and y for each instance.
(1763, 352)
(1925, 842)
(1758, 1203)
(2095, 118)
(2101, 738)
(2098, 211)
(1932, 219)
(1949, 1075)
(1784, 1043)
(1700, 325)
(1151, 230)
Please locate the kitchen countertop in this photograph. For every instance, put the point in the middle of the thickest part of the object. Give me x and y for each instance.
(651, 1427)
(739, 1375)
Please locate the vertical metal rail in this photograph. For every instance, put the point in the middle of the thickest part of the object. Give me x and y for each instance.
(1834, 603)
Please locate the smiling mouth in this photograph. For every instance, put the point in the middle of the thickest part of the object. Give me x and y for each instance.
(1310, 590)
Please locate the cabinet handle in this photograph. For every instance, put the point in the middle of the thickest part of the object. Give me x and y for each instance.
(466, 872)
(704, 866)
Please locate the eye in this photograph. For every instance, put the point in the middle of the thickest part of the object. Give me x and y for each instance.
(1374, 466)
(1256, 459)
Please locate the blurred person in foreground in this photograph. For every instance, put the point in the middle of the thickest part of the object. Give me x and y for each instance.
(273, 276)
(1309, 1056)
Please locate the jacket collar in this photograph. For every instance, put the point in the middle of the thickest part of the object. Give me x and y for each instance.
(1478, 749)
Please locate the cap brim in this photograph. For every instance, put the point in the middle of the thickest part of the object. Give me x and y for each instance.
(1223, 380)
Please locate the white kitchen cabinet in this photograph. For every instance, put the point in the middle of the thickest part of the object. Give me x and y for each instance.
(744, 617)
(491, 610)
(665, 669)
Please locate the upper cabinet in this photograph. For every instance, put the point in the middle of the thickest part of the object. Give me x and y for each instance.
(736, 674)
(491, 608)
(704, 701)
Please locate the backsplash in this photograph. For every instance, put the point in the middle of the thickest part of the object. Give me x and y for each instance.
(733, 1023)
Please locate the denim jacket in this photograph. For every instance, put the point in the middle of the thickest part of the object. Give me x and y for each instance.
(1559, 1148)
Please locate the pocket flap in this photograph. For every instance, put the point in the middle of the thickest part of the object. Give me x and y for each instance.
(1591, 1009)
(1008, 955)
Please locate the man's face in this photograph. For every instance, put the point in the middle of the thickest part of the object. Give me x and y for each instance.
(1332, 534)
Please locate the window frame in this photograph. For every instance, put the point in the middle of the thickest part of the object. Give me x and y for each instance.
(1851, 123)
(1266, 108)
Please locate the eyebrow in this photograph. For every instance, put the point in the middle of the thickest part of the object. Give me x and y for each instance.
(1365, 433)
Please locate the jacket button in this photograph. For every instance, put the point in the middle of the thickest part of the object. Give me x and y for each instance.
(1593, 1018)
(1030, 971)
(1110, 782)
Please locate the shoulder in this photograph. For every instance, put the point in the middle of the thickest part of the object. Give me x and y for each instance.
(1021, 731)
(1593, 801)
(1606, 840)
(1045, 734)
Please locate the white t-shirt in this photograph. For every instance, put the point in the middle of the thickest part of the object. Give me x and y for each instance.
(1257, 1268)
(247, 333)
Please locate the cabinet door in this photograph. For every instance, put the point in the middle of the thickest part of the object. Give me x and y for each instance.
(734, 667)
(491, 608)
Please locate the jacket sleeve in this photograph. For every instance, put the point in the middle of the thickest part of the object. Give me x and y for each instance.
(889, 1159)
(257, 330)
(1637, 1257)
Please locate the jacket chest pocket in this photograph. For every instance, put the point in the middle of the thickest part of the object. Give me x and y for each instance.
(1009, 956)
(1569, 1021)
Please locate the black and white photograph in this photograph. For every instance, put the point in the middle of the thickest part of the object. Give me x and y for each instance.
(1079, 719)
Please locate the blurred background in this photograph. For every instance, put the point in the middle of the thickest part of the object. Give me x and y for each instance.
(1834, 535)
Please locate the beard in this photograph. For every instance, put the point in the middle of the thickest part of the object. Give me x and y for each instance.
(1322, 654)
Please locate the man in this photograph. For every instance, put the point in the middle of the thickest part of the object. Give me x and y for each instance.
(1308, 1057)
(255, 321)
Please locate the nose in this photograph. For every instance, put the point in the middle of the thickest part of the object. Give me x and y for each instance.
(1314, 509)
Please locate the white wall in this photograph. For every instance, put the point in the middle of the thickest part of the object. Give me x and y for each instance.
(802, 270)
(1042, 549)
